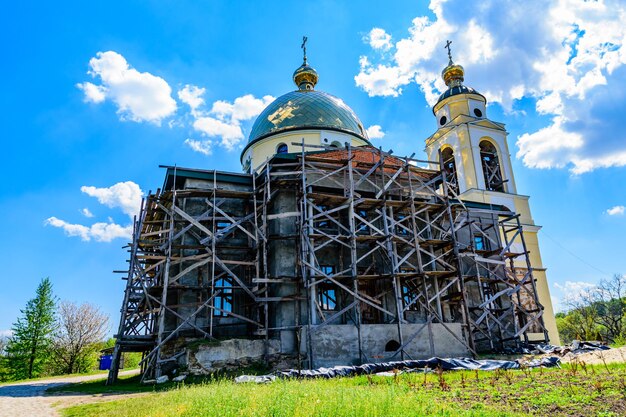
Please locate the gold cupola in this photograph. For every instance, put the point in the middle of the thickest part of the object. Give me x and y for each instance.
(305, 76)
(452, 74)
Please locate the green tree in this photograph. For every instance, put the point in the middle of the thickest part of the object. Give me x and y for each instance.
(28, 347)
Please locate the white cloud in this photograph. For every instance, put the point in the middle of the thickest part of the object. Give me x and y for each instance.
(6, 333)
(139, 96)
(224, 120)
(85, 212)
(203, 147)
(192, 96)
(568, 55)
(100, 232)
(379, 39)
(616, 211)
(125, 195)
(93, 93)
(375, 132)
(574, 291)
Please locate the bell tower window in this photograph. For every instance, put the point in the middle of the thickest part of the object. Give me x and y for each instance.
(491, 166)
(449, 167)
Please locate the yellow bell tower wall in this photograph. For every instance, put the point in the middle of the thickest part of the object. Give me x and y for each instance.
(462, 130)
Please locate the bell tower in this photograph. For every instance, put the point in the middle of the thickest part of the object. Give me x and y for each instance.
(475, 156)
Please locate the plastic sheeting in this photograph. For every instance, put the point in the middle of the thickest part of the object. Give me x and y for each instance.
(447, 364)
(576, 347)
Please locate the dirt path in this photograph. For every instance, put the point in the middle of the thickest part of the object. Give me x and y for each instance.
(28, 398)
(598, 357)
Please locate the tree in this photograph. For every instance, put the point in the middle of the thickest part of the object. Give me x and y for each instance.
(28, 347)
(80, 330)
(610, 303)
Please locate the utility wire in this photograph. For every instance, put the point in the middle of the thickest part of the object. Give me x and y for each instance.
(573, 254)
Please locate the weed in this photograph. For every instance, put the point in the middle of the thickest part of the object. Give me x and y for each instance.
(442, 381)
(601, 355)
(598, 386)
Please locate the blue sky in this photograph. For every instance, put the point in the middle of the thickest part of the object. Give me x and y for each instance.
(91, 105)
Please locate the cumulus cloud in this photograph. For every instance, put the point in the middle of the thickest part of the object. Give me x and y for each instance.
(123, 195)
(574, 291)
(224, 120)
(616, 211)
(202, 146)
(139, 96)
(100, 232)
(93, 93)
(379, 39)
(568, 56)
(375, 132)
(85, 212)
(192, 96)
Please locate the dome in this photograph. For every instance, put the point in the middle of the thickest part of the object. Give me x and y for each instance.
(462, 89)
(306, 109)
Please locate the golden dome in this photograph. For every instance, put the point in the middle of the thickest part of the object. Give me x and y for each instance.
(305, 77)
(453, 74)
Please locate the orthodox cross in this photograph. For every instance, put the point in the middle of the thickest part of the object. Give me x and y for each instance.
(448, 43)
(303, 46)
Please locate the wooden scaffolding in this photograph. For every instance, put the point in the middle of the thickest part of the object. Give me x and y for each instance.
(400, 233)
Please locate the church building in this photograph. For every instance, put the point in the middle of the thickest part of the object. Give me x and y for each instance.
(328, 251)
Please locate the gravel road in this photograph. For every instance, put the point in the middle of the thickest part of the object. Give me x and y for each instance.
(28, 398)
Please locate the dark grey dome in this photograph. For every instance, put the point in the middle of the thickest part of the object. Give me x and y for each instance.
(461, 89)
(305, 109)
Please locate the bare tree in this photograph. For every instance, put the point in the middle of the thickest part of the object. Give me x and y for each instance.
(609, 299)
(80, 327)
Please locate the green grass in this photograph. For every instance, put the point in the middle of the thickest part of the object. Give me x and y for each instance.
(572, 391)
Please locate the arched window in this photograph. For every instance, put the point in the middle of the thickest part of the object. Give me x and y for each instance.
(449, 167)
(491, 166)
(282, 148)
(223, 302)
(392, 346)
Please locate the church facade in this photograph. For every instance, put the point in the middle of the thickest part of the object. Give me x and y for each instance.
(328, 251)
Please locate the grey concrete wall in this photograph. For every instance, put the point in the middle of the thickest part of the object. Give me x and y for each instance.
(338, 345)
(231, 353)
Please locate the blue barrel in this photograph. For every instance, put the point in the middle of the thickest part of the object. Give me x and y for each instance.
(105, 362)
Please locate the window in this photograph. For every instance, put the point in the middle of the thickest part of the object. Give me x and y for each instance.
(480, 243)
(323, 221)
(491, 166)
(362, 228)
(282, 148)
(221, 226)
(443, 120)
(392, 346)
(478, 113)
(224, 300)
(327, 291)
(407, 296)
(449, 167)
(399, 226)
